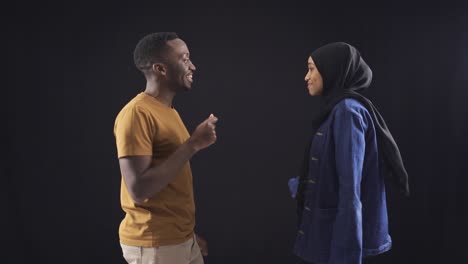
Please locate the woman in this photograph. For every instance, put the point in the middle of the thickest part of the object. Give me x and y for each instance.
(342, 211)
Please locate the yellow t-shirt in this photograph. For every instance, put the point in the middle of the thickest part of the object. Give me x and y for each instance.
(146, 126)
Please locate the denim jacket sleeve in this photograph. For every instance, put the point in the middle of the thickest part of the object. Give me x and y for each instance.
(349, 135)
(293, 184)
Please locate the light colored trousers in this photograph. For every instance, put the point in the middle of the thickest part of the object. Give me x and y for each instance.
(187, 252)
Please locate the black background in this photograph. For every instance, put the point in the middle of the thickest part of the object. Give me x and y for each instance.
(69, 70)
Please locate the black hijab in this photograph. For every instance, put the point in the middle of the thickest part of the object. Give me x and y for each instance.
(344, 74)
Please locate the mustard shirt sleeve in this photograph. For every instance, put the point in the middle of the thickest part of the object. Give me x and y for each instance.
(134, 132)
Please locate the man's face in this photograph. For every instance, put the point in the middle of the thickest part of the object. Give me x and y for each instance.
(313, 78)
(180, 67)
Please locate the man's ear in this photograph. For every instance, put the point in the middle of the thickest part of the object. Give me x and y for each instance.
(159, 69)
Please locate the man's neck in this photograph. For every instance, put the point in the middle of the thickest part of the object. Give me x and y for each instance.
(161, 93)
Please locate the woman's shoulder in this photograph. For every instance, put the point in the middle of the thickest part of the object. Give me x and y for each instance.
(350, 106)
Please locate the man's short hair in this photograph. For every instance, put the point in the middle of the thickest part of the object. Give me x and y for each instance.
(150, 49)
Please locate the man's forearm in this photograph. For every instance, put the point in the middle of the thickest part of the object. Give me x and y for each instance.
(155, 178)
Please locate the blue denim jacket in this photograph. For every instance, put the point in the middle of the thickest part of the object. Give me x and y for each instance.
(345, 214)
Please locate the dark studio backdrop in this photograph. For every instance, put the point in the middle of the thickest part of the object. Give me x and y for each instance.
(69, 70)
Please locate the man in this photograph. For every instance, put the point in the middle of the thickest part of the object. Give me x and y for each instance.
(154, 149)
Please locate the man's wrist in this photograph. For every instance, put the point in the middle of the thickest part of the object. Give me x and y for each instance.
(191, 145)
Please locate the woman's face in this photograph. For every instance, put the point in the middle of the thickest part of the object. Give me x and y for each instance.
(313, 78)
